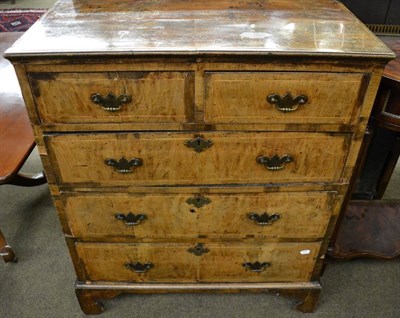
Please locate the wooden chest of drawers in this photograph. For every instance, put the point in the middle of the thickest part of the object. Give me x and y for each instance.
(202, 145)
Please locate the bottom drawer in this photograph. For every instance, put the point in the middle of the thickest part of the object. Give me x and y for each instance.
(210, 262)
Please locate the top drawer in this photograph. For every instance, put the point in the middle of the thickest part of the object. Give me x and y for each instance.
(283, 97)
(136, 97)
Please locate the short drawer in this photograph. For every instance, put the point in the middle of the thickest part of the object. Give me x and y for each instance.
(293, 215)
(214, 262)
(114, 97)
(283, 97)
(127, 159)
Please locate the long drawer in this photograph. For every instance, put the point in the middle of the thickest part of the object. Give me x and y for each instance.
(283, 97)
(292, 215)
(214, 262)
(125, 159)
(114, 97)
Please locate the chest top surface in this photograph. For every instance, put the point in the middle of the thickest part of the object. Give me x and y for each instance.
(132, 27)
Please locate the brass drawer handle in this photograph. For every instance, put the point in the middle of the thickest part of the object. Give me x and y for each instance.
(264, 219)
(198, 250)
(275, 162)
(130, 219)
(139, 267)
(257, 266)
(198, 200)
(110, 102)
(199, 144)
(287, 103)
(123, 165)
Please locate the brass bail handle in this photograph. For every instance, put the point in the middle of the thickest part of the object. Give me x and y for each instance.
(256, 267)
(264, 219)
(138, 267)
(111, 102)
(287, 103)
(275, 162)
(123, 165)
(130, 219)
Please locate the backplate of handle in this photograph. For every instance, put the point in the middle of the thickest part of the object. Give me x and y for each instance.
(111, 102)
(256, 266)
(138, 267)
(130, 218)
(123, 165)
(275, 162)
(287, 103)
(264, 219)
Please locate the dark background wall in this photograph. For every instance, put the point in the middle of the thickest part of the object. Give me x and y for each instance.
(375, 11)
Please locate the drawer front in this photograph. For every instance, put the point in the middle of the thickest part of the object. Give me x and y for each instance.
(184, 216)
(137, 97)
(168, 159)
(260, 97)
(217, 262)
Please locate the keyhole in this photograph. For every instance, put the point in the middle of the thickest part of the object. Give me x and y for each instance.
(198, 142)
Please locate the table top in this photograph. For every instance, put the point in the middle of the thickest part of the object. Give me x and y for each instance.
(16, 134)
(198, 27)
(392, 69)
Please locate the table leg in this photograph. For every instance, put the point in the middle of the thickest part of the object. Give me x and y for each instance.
(5, 250)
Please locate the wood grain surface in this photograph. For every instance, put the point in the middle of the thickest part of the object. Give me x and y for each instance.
(16, 135)
(302, 215)
(196, 69)
(292, 262)
(241, 97)
(166, 160)
(282, 27)
(155, 96)
(392, 69)
(370, 228)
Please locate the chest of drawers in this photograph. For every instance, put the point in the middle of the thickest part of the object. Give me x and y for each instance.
(201, 146)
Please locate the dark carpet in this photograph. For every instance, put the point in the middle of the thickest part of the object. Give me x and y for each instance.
(19, 20)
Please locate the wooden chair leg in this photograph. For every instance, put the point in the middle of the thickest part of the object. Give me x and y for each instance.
(5, 250)
(28, 180)
(24, 180)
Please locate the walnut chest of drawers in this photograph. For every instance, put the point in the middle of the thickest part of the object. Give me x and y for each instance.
(199, 145)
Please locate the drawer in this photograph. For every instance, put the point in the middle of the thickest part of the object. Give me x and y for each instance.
(168, 159)
(136, 97)
(243, 97)
(217, 262)
(291, 215)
